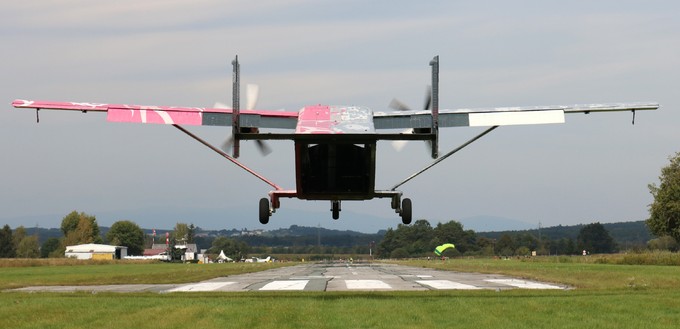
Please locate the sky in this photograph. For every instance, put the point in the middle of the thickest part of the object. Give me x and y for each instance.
(593, 168)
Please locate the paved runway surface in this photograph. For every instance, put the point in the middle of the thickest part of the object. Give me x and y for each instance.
(329, 277)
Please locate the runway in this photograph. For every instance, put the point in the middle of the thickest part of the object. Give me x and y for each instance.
(328, 277)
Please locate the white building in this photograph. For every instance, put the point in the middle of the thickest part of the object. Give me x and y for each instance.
(96, 251)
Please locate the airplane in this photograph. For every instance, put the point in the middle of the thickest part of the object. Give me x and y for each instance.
(259, 260)
(335, 145)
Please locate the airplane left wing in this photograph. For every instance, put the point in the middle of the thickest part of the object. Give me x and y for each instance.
(499, 116)
(196, 116)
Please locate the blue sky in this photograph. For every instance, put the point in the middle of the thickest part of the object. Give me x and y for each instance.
(492, 53)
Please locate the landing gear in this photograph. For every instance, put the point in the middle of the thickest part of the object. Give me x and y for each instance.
(264, 211)
(406, 211)
(335, 208)
(401, 206)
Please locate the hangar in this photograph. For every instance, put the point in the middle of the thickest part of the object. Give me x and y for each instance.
(96, 251)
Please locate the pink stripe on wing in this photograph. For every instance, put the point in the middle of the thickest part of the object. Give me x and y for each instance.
(154, 116)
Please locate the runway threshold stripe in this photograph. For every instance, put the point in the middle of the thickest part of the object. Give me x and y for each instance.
(523, 284)
(202, 286)
(366, 284)
(446, 284)
(285, 285)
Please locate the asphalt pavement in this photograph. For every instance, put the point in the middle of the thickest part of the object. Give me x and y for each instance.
(328, 277)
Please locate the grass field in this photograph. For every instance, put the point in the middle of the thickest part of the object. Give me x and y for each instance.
(607, 294)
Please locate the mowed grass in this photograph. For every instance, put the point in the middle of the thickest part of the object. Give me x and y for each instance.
(603, 297)
(592, 273)
(67, 272)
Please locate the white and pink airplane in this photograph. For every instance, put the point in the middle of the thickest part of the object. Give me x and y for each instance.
(335, 146)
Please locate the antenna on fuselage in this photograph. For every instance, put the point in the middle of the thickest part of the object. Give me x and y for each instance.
(235, 123)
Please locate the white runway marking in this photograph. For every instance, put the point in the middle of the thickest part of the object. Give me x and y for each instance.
(202, 286)
(446, 284)
(286, 285)
(523, 284)
(367, 284)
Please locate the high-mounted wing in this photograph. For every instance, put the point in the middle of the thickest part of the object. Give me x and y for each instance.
(499, 116)
(195, 116)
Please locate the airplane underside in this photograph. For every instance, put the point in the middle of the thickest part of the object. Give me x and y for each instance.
(335, 171)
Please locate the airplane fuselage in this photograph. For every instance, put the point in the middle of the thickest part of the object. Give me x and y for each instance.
(335, 153)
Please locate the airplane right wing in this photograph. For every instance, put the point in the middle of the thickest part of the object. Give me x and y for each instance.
(498, 116)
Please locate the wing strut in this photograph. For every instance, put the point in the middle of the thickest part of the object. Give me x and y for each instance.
(444, 157)
(226, 156)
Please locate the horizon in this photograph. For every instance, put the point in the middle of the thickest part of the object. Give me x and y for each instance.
(268, 229)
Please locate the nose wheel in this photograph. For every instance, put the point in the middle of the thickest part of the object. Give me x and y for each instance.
(335, 208)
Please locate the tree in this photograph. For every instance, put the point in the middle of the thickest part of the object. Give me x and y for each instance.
(664, 212)
(184, 232)
(70, 222)
(18, 235)
(28, 247)
(663, 243)
(128, 234)
(232, 248)
(596, 239)
(7, 248)
(453, 232)
(79, 228)
(50, 247)
(505, 246)
(399, 253)
(387, 244)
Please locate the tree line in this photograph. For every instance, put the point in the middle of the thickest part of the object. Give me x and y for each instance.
(76, 228)
(420, 239)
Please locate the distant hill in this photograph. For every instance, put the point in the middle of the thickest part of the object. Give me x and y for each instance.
(626, 234)
(494, 223)
(296, 230)
(306, 236)
(44, 233)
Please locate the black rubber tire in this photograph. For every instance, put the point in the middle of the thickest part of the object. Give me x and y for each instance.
(406, 211)
(264, 211)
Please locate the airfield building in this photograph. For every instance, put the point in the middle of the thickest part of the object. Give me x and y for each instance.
(96, 251)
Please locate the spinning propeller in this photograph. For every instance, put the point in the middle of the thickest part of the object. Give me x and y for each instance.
(252, 92)
(399, 106)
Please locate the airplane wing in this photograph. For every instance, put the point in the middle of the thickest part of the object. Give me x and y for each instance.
(196, 116)
(499, 116)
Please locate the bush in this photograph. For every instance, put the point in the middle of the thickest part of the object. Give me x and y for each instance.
(399, 253)
(663, 243)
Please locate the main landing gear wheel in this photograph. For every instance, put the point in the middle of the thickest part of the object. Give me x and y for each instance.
(335, 208)
(264, 211)
(406, 211)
